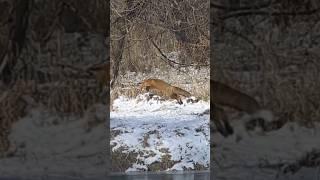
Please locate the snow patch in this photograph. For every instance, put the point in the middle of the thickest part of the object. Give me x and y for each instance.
(161, 128)
(264, 114)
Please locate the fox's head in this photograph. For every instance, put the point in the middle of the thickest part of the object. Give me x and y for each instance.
(141, 85)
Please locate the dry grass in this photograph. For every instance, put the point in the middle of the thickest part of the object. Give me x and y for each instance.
(122, 161)
(287, 84)
(197, 83)
(14, 101)
(70, 96)
(299, 102)
(65, 97)
(130, 92)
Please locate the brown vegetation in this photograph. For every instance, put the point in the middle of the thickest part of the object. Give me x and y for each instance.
(270, 50)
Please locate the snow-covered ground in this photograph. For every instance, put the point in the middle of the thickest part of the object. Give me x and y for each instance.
(50, 145)
(155, 129)
(265, 156)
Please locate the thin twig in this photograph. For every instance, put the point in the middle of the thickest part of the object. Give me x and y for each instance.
(171, 61)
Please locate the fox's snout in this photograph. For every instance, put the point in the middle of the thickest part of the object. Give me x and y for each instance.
(140, 86)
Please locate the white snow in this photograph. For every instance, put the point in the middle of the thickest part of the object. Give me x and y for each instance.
(49, 144)
(170, 129)
(251, 155)
(154, 129)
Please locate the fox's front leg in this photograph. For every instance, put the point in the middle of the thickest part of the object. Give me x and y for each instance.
(177, 97)
(220, 120)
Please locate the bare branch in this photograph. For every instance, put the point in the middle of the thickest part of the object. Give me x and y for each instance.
(171, 61)
(256, 6)
(267, 13)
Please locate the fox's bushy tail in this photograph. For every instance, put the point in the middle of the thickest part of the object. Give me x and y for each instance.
(181, 92)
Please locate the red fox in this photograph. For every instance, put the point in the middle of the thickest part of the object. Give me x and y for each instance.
(168, 90)
(223, 95)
